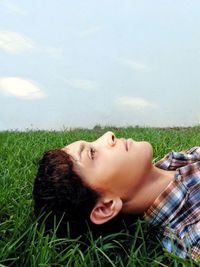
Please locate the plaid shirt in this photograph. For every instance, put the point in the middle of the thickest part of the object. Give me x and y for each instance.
(176, 211)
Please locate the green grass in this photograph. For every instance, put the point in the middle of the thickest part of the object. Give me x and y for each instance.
(22, 244)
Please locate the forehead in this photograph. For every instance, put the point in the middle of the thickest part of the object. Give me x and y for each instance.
(72, 145)
(73, 150)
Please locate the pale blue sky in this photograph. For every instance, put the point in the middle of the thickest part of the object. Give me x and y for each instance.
(66, 64)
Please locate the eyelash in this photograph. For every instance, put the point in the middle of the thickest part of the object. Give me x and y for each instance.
(92, 152)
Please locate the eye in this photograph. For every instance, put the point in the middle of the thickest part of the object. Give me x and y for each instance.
(92, 152)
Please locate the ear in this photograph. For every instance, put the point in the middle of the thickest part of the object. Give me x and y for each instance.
(105, 210)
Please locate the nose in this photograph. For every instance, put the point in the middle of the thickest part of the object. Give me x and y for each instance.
(111, 138)
(108, 138)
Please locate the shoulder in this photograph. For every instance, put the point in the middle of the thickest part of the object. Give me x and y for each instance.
(174, 160)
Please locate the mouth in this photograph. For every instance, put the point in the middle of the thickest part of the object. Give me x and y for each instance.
(128, 143)
(125, 143)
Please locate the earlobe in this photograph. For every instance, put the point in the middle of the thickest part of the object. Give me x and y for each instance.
(105, 210)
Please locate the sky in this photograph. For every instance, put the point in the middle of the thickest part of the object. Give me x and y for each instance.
(67, 64)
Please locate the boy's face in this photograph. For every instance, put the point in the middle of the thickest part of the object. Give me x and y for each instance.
(112, 165)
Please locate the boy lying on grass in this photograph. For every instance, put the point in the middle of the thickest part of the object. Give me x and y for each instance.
(112, 178)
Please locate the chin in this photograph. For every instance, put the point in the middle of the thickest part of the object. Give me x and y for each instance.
(148, 149)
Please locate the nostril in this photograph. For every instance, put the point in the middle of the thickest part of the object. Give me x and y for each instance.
(113, 138)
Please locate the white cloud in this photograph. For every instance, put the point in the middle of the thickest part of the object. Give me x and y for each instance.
(135, 65)
(86, 85)
(90, 31)
(20, 88)
(15, 43)
(134, 103)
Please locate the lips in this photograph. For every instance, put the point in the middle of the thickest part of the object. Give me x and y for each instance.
(128, 143)
(125, 144)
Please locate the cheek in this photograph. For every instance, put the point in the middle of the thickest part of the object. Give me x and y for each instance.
(112, 169)
(104, 176)
(119, 171)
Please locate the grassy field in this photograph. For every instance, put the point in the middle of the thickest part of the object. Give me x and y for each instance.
(22, 244)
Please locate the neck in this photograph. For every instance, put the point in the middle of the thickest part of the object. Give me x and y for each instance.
(155, 183)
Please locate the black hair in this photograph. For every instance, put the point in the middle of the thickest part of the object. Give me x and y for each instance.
(59, 193)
